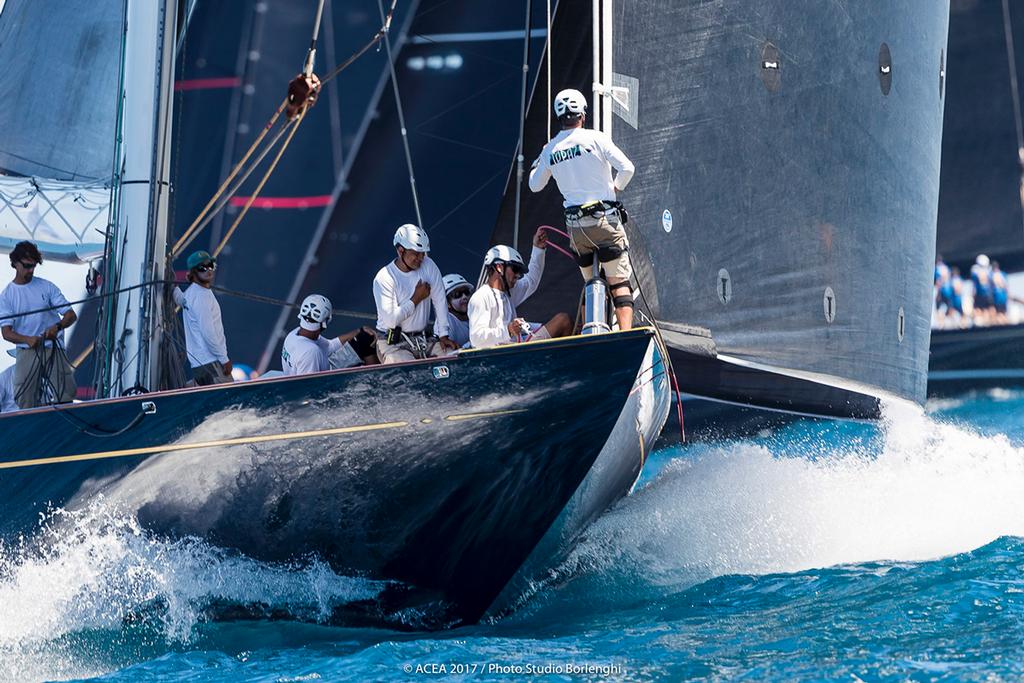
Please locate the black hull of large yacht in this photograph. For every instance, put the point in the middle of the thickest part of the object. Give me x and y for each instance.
(439, 477)
(976, 358)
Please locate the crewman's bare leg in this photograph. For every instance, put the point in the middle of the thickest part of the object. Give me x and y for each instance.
(622, 298)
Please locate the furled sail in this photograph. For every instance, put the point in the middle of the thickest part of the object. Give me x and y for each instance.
(57, 127)
(980, 200)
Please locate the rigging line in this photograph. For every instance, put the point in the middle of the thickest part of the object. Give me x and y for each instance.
(182, 243)
(259, 188)
(381, 33)
(1011, 59)
(522, 124)
(234, 190)
(460, 143)
(1012, 63)
(401, 121)
(477, 93)
(547, 54)
(311, 55)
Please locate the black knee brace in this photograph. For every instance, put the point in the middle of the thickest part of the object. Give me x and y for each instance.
(622, 300)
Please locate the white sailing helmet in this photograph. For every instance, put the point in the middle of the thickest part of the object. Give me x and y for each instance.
(315, 312)
(982, 260)
(505, 254)
(453, 281)
(412, 237)
(570, 101)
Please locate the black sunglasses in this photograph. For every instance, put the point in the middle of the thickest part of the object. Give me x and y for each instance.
(205, 267)
(27, 266)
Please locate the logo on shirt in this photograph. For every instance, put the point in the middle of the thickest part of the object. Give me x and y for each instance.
(565, 154)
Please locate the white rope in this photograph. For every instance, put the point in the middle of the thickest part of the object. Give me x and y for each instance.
(401, 120)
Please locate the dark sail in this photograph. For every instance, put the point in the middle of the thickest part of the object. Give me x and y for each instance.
(785, 195)
(980, 197)
(234, 65)
(459, 75)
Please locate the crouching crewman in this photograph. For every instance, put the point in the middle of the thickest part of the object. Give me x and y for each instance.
(508, 282)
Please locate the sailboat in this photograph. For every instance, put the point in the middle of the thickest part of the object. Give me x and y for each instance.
(782, 217)
(981, 201)
(449, 479)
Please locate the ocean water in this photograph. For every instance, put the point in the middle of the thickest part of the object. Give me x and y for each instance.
(822, 551)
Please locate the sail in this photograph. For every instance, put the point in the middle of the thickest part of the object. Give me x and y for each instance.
(785, 195)
(980, 200)
(58, 122)
(234, 64)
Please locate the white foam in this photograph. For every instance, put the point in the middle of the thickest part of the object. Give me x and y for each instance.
(932, 489)
(95, 569)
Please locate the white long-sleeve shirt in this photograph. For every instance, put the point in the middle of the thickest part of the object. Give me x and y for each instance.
(491, 310)
(204, 330)
(581, 160)
(392, 290)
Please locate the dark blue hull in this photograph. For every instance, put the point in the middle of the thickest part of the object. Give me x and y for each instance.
(976, 358)
(441, 475)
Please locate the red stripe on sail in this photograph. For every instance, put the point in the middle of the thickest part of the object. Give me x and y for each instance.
(208, 83)
(284, 202)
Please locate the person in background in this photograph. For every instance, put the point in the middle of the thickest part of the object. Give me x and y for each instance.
(981, 277)
(493, 319)
(1000, 294)
(957, 284)
(42, 370)
(7, 402)
(457, 291)
(405, 290)
(205, 343)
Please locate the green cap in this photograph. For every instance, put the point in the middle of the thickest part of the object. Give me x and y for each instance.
(199, 258)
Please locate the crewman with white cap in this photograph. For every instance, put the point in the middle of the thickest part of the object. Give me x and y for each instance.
(404, 291)
(457, 291)
(581, 161)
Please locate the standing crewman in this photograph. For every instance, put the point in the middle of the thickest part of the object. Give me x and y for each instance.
(205, 343)
(404, 291)
(581, 160)
(42, 365)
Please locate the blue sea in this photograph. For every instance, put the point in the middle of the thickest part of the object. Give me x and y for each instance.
(820, 551)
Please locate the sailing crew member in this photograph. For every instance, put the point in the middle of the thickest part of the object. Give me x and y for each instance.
(7, 403)
(305, 350)
(42, 364)
(509, 282)
(581, 161)
(205, 343)
(405, 290)
(457, 291)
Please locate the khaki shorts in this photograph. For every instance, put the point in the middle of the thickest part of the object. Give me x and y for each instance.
(403, 351)
(60, 384)
(589, 234)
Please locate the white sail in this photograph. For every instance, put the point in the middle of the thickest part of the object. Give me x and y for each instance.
(67, 220)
